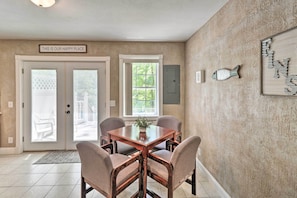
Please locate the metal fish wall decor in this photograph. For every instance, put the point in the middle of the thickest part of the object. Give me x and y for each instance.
(224, 74)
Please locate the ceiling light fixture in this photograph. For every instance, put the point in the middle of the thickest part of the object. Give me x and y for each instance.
(44, 3)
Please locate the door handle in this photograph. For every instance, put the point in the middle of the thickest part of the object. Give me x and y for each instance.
(67, 112)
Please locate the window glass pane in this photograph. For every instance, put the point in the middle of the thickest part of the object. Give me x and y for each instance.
(44, 105)
(85, 125)
(140, 85)
(144, 88)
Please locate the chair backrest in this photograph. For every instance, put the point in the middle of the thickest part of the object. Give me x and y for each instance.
(183, 159)
(169, 122)
(110, 124)
(96, 165)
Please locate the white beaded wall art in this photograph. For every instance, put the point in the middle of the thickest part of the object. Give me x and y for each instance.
(279, 64)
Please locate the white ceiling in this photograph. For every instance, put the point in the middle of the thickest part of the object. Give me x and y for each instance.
(106, 20)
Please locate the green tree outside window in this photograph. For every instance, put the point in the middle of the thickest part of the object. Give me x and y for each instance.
(144, 88)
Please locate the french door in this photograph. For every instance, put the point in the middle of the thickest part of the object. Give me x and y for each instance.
(63, 103)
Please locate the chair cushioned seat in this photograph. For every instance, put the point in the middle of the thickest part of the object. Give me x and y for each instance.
(112, 123)
(169, 122)
(162, 145)
(125, 148)
(127, 172)
(182, 161)
(156, 167)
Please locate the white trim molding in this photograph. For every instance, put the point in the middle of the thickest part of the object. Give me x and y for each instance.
(212, 180)
(9, 150)
(19, 59)
(123, 58)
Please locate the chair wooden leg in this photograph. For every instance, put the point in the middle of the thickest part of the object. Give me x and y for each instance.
(83, 188)
(152, 194)
(115, 147)
(168, 146)
(170, 186)
(170, 192)
(194, 182)
(140, 183)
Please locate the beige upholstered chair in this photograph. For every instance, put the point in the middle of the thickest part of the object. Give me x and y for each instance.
(169, 122)
(111, 124)
(171, 169)
(108, 173)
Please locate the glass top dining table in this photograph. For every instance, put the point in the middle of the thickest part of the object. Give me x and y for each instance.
(144, 142)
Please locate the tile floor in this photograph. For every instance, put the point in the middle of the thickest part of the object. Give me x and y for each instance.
(21, 178)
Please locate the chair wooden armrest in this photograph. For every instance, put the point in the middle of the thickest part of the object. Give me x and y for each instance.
(178, 137)
(167, 165)
(108, 147)
(108, 173)
(104, 140)
(123, 165)
(181, 160)
(161, 161)
(126, 163)
(137, 153)
(171, 144)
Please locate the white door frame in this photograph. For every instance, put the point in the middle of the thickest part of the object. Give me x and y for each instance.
(20, 59)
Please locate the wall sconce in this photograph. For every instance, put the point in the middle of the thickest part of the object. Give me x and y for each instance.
(44, 3)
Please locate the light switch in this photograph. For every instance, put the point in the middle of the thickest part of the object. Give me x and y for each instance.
(200, 76)
(10, 104)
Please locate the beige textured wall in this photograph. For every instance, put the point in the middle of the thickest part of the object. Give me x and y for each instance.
(173, 53)
(249, 141)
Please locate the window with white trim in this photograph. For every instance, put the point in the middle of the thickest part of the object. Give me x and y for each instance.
(140, 85)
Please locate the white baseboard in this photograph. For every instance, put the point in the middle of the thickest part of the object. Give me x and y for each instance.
(9, 150)
(211, 179)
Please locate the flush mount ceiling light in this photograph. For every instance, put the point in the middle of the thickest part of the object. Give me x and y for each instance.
(44, 3)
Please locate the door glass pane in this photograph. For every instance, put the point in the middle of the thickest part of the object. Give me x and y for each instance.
(85, 94)
(44, 102)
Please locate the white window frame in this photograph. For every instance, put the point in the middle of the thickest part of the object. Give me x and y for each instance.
(136, 58)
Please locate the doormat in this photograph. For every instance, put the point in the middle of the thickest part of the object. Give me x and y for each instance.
(59, 157)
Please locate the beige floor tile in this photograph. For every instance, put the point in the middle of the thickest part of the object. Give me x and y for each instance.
(60, 191)
(8, 168)
(200, 176)
(75, 192)
(157, 188)
(2, 189)
(210, 189)
(37, 191)
(200, 192)
(20, 177)
(69, 178)
(15, 192)
(130, 190)
(27, 179)
(7, 180)
(74, 168)
(23, 169)
(179, 192)
(60, 168)
(42, 168)
(95, 194)
(49, 179)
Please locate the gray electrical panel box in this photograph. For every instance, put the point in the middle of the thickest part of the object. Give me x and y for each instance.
(171, 84)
